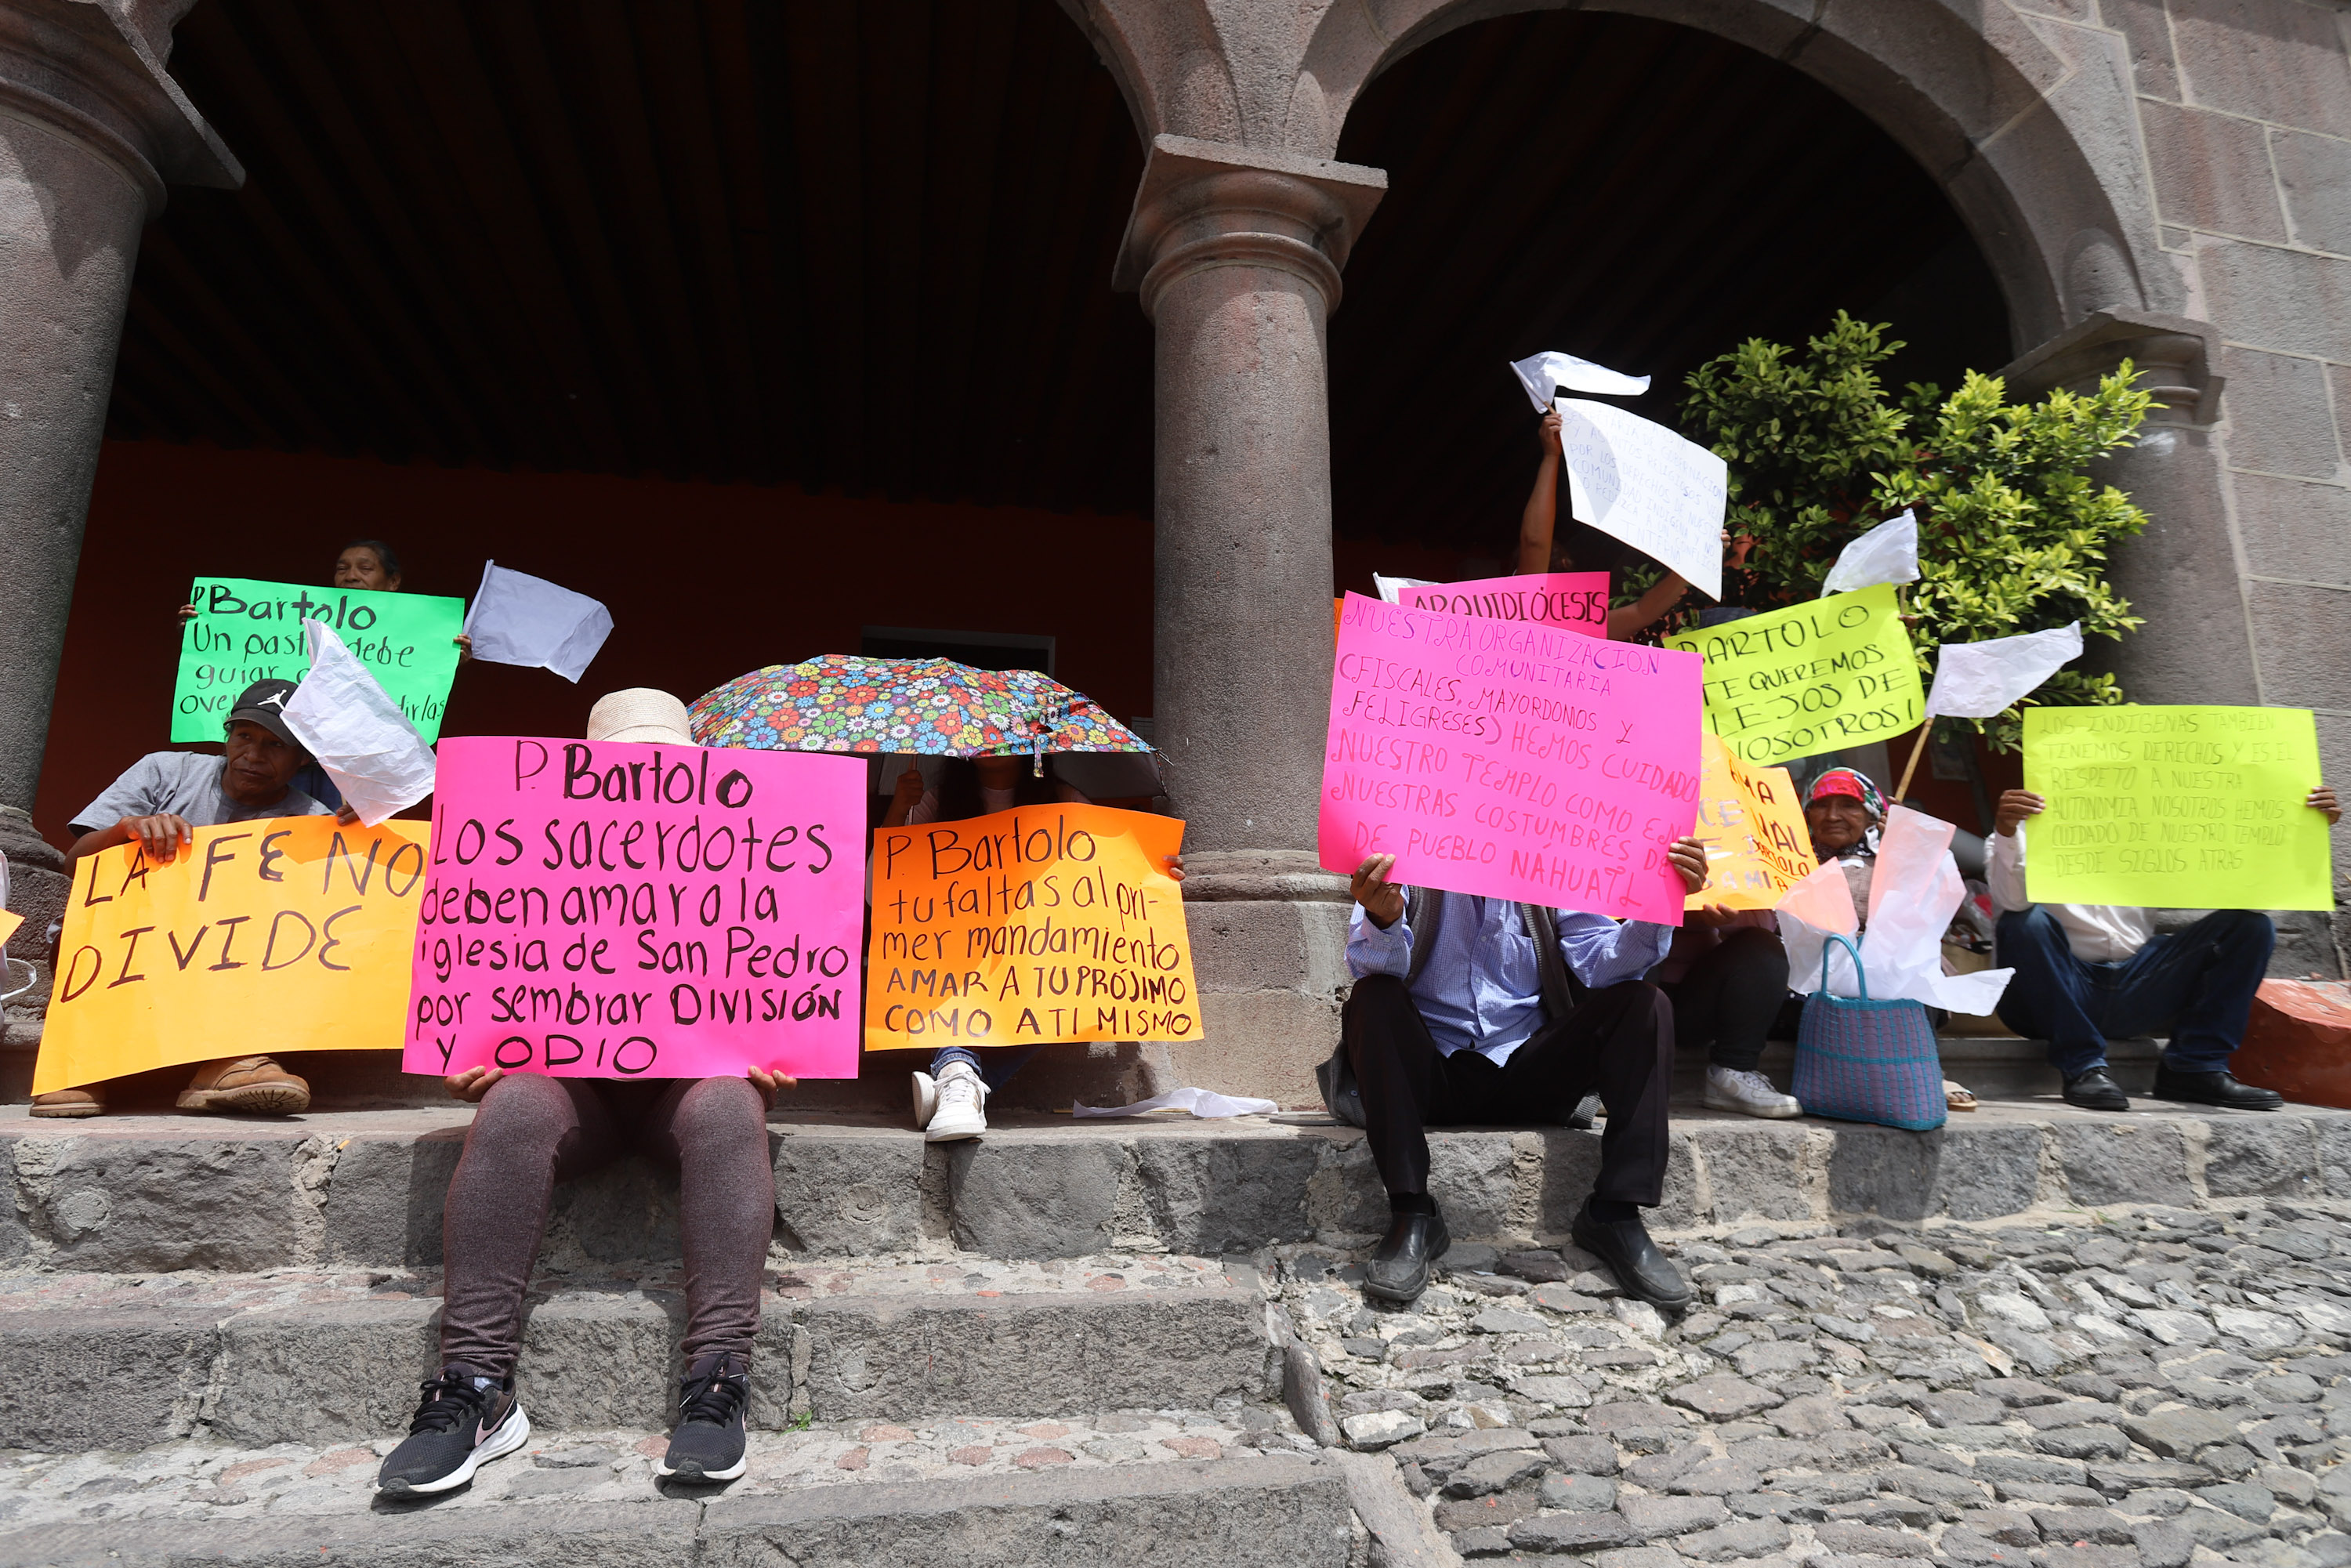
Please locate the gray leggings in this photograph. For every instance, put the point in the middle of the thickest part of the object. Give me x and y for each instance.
(532, 1132)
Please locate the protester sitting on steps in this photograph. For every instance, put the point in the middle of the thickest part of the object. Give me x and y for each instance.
(1585, 548)
(1479, 1010)
(532, 1132)
(1726, 975)
(2088, 973)
(951, 1099)
(158, 803)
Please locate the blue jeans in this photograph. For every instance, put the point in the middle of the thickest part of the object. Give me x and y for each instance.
(995, 1065)
(2197, 984)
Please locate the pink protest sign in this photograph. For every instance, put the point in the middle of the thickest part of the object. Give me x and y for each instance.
(1511, 760)
(598, 909)
(1577, 600)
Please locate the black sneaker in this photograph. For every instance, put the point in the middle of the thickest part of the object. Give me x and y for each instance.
(707, 1444)
(463, 1421)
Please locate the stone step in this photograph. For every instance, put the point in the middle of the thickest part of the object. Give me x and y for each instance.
(1029, 1500)
(161, 1193)
(335, 1356)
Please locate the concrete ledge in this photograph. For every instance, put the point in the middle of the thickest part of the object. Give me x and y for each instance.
(332, 1372)
(1275, 1511)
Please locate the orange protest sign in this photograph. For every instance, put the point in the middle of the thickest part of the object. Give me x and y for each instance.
(286, 934)
(1757, 846)
(1043, 923)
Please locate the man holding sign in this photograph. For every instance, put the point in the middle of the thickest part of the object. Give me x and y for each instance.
(2176, 807)
(1480, 1009)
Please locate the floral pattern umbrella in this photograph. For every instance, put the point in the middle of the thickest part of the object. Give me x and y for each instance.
(936, 708)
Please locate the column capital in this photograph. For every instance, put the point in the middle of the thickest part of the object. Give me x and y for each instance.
(1210, 203)
(93, 70)
(2173, 355)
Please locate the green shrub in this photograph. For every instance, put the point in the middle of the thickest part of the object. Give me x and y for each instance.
(2013, 533)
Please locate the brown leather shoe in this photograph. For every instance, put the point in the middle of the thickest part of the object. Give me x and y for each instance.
(85, 1101)
(251, 1085)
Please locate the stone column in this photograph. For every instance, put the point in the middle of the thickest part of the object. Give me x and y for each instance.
(92, 126)
(2181, 574)
(1237, 254)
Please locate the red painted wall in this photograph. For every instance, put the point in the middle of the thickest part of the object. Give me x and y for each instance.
(704, 582)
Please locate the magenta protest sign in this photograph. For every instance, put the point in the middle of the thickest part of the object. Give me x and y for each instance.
(1511, 760)
(1577, 600)
(612, 910)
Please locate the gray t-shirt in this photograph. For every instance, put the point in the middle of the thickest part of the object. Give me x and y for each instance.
(186, 784)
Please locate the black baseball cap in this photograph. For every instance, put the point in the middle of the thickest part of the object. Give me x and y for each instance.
(264, 703)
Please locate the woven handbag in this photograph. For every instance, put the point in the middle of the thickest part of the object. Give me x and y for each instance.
(1860, 1061)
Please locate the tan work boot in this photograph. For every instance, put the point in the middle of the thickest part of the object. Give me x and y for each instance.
(90, 1101)
(255, 1085)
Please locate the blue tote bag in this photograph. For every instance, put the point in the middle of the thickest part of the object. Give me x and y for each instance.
(1860, 1061)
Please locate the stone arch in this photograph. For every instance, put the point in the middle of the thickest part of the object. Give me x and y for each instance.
(2028, 125)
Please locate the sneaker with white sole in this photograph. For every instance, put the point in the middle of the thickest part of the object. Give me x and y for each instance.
(962, 1105)
(462, 1422)
(707, 1445)
(1749, 1093)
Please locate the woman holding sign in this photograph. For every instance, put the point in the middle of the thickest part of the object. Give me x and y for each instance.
(1586, 548)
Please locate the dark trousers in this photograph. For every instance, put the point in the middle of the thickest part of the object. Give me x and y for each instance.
(1619, 1045)
(533, 1131)
(2196, 984)
(1727, 1000)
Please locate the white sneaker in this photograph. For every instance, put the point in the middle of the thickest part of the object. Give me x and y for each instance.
(962, 1099)
(926, 1099)
(1749, 1093)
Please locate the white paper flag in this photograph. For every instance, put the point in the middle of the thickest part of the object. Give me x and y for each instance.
(355, 729)
(518, 619)
(1391, 588)
(1977, 680)
(1886, 553)
(1205, 1103)
(1914, 890)
(1547, 374)
(1637, 481)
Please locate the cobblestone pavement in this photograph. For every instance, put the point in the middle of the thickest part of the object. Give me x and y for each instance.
(2087, 1390)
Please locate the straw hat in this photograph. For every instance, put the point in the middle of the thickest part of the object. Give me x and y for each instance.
(641, 713)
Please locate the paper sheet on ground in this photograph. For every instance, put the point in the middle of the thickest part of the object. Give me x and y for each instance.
(1573, 601)
(1822, 676)
(1550, 372)
(1205, 1103)
(612, 909)
(1913, 891)
(356, 732)
(1511, 760)
(1635, 480)
(1887, 553)
(1753, 821)
(286, 934)
(1977, 680)
(518, 619)
(2180, 807)
(246, 631)
(1043, 923)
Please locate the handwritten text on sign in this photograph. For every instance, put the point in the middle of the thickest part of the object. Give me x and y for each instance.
(246, 631)
(602, 910)
(2180, 808)
(288, 934)
(1510, 761)
(1756, 847)
(1575, 600)
(1042, 923)
(1835, 672)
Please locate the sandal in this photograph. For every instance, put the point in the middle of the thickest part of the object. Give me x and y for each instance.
(1958, 1097)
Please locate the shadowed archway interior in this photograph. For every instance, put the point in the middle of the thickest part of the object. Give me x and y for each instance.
(1641, 195)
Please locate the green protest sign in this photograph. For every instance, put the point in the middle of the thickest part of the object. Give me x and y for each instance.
(246, 631)
(1822, 676)
(2177, 808)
